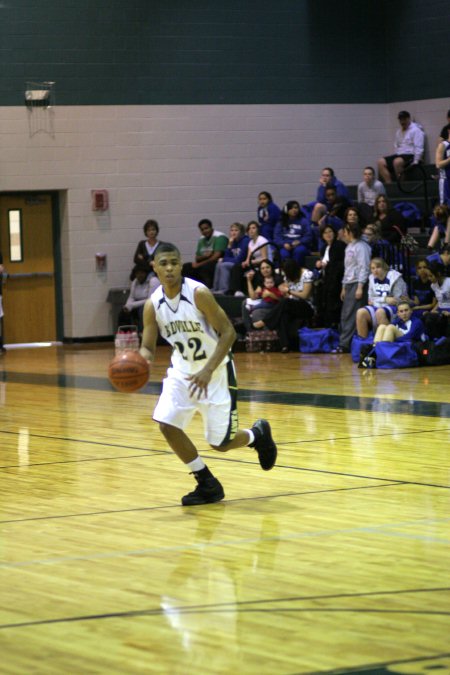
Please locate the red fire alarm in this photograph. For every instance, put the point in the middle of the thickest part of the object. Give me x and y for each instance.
(99, 200)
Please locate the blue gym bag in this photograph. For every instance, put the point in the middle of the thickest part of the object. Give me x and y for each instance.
(318, 340)
(396, 355)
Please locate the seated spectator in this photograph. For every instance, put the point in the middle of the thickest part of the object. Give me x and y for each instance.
(256, 241)
(255, 277)
(404, 327)
(260, 301)
(386, 289)
(295, 308)
(442, 257)
(327, 179)
(368, 191)
(421, 291)
(440, 226)
(257, 250)
(354, 283)
(235, 253)
(436, 321)
(336, 208)
(268, 215)
(442, 161)
(293, 233)
(140, 290)
(210, 248)
(146, 248)
(389, 222)
(408, 146)
(331, 268)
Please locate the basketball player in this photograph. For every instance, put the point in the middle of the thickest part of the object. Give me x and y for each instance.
(201, 376)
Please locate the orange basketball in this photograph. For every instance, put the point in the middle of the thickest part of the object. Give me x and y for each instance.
(128, 371)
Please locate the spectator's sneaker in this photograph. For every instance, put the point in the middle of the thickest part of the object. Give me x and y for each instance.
(264, 444)
(206, 492)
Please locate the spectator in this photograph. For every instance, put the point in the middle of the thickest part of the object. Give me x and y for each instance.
(368, 191)
(235, 253)
(256, 241)
(443, 164)
(257, 250)
(293, 233)
(421, 291)
(145, 251)
(436, 321)
(295, 308)
(442, 257)
(268, 215)
(390, 224)
(257, 276)
(327, 179)
(408, 145)
(386, 289)
(210, 248)
(141, 289)
(445, 131)
(331, 267)
(440, 226)
(336, 208)
(404, 327)
(261, 300)
(354, 283)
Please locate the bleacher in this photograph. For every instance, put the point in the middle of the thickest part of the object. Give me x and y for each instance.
(420, 188)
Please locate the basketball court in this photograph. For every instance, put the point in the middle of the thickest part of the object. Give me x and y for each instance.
(337, 560)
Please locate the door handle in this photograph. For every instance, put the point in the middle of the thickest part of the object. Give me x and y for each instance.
(27, 275)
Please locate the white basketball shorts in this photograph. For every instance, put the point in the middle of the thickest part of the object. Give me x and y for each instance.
(218, 410)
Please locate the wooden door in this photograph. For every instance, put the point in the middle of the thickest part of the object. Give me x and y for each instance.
(29, 288)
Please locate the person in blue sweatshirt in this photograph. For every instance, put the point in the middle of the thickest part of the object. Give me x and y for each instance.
(268, 215)
(405, 327)
(293, 233)
(234, 254)
(328, 179)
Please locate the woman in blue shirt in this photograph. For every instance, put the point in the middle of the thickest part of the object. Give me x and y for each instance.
(293, 233)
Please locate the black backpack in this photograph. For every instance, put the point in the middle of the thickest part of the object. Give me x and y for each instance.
(432, 353)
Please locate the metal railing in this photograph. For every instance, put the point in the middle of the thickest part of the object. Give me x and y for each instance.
(421, 184)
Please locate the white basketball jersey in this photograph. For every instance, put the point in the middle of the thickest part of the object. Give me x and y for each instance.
(185, 328)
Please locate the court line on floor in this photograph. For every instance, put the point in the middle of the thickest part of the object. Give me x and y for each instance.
(236, 460)
(374, 668)
(237, 607)
(179, 506)
(154, 452)
(337, 401)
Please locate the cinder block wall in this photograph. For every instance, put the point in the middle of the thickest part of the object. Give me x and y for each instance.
(188, 110)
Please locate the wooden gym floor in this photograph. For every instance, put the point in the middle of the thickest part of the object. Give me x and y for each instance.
(335, 561)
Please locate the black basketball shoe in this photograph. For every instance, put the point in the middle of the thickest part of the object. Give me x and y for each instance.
(207, 491)
(264, 444)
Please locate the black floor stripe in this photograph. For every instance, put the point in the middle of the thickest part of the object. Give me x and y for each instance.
(340, 402)
(178, 506)
(382, 667)
(236, 607)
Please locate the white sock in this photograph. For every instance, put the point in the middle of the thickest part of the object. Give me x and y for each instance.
(251, 436)
(197, 464)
